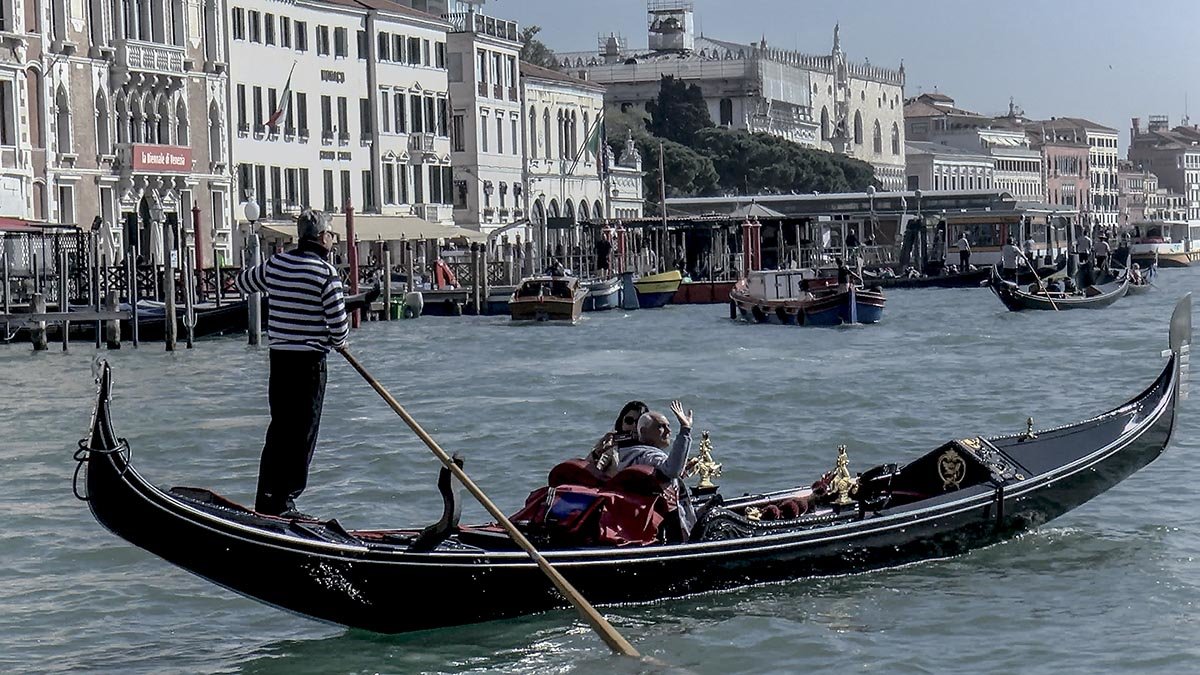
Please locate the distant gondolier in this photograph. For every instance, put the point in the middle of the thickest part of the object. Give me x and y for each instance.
(1102, 251)
(1008, 260)
(964, 252)
(307, 318)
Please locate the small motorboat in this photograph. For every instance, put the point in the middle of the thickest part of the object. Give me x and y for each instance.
(800, 298)
(657, 290)
(966, 493)
(547, 298)
(602, 294)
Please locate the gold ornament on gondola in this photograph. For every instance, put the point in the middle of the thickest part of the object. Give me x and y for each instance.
(703, 464)
(842, 484)
(752, 514)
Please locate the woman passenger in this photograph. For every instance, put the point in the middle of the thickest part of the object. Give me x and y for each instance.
(623, 435)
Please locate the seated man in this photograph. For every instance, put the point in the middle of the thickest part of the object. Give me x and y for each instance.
(654, 434)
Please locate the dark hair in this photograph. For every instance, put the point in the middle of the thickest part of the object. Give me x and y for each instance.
(638, 406)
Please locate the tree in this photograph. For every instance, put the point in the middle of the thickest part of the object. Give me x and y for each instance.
(679, 112)
(759, 163)
(534, 51)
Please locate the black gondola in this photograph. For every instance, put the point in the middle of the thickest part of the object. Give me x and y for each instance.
(1095, 296)
(962, 495)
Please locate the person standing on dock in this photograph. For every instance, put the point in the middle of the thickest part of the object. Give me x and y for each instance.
(964, 253)
(307, 318)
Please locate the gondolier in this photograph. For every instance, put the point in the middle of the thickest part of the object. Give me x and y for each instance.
(964, 253)
(307, 318)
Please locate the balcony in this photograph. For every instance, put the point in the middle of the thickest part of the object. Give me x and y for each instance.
(150, 57)
(474, 22)
(497, 91)
(483, 89)
(343, 138)
(512, 93)
(433, 213)
(244, 129)
(326, 138)
(420, 142)
(303, 134)
(13, 158)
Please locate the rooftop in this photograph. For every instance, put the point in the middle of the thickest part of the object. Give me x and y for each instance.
(538, 72)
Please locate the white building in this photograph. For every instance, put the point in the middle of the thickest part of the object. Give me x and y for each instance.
(563, 147)
(933, 166)
(486, 120)
(411, 135)
(820, 101)
(624, 183)
(319, 153)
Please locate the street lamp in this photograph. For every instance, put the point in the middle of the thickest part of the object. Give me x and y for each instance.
(251, 210)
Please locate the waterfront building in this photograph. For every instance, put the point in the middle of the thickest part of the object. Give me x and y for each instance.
(119, 111)
(486, 120)
(823, 101)
(933, 166)
(1017, 166)
(624, 181)
(1100, 208)
(1065, 154)
(1172, 154)
(564, 152)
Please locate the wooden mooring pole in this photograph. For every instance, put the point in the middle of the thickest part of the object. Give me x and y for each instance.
(64, 302)
(112, 327)
(37, 330)
(169, 287)
(131, 287)
(387, 283)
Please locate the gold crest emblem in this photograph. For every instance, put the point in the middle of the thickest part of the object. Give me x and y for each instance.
(952, 469)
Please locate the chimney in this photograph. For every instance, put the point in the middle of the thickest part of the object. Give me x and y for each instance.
(1137, 126)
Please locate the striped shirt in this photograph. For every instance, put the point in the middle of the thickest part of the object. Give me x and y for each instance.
(307, 310)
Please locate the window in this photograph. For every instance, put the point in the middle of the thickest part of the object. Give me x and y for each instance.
(430, 117)
(285, 32)
(456, 134)
(368, 187)
(481, 64)
(402, 183)
(258, 110)
(532, 140)
(460, 194)
(483, 134)
(346, 196)
(418, 186)
(499, 133)
(301, 36)
(425, 49)
(343, 121)
(66, 204)
(364, 111)
(302, 114)
(269, 25)
(398, 48)
(435, 184)
(341, 48)
(439, 51)
(326, 118)
(389, 183)
(323, 40)
(328, 180)
(417, 125)
(546, 124)
(726, 114)
(443, 112)
(272, 106)
(243, 125)
(385, 117)
(515, 143)
(304, 189)
(291, 194)
(239, 23)
(255, 26)
(363, 44)
(289, 118)
(414, 51)
(276, 192)
(382, 46)
(399, 110)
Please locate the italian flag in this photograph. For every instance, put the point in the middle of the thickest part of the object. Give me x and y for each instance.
(284, 100)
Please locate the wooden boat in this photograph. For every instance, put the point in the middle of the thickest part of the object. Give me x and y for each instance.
(602, 294)
(657, 290)
(799, 298)
(703, 292)
(547, 299)
(1091, 297)
(964, 494)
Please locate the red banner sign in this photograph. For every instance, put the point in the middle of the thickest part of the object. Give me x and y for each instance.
(162, 158)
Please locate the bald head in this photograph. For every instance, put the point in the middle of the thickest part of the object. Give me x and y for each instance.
(654, 429)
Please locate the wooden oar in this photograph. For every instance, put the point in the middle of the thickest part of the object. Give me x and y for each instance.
(603, 628)
(1045, 290)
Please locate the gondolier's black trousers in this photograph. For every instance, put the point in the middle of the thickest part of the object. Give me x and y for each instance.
(296, 394)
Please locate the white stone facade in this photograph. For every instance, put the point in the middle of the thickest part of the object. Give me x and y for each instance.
(563, 160)
(486, 121)
(932, 166)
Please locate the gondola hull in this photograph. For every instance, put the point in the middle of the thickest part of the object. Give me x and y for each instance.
(1017, 300)
(370, 580)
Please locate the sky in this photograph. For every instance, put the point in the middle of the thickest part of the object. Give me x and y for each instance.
(1104, 60)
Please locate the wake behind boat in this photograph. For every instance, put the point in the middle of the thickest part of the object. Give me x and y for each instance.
(964, 494)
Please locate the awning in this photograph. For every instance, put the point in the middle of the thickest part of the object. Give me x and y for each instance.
(10, 224)
(382, 228)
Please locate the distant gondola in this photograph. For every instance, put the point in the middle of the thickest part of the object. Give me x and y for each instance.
(1091, 297)
(966, 493)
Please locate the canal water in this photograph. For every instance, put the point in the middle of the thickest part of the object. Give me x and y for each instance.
(1111, 587)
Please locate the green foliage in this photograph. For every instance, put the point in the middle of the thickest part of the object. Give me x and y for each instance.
(759, 163)
(534, 51)
(679, 112)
